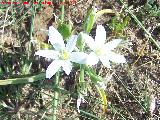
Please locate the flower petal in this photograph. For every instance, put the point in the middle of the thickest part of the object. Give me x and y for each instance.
(152, 104)
(100, 37)
(111, 45)
(78, 57)
(48, 54)
(101, 85)
(53, 68)
(71, 44)
(116, 58)
(92, 59)
(89, 41)
(105, 61)
(55, 38)
(67, 67)
(78, 104)
(79, 101)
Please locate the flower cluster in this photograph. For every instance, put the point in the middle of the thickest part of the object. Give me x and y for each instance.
(64, 54)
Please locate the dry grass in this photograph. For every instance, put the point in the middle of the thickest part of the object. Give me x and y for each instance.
(130, 90)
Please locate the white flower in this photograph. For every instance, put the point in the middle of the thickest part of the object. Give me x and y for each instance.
(102, 51)
(152, 104)
(101, 85)
(63, 54)
(79, 101)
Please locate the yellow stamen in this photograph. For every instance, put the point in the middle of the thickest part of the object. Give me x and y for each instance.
(64, 55)
(98, 51)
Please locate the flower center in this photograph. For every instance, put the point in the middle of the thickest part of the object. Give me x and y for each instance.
(64, 55)
(98, 51)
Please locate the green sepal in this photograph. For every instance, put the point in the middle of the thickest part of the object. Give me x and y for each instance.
(80, 41)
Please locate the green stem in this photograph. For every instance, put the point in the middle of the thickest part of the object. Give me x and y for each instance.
(82, 66)
(56, 96)
(81, 74)
(56, 93)
(31, 30)
(82, 85)
(62, 11)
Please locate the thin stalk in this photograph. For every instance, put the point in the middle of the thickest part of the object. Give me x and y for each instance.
(91, 115)
(81, 74)
(82, 66)
(82, 86)
(131, 93)
(5, 20)
(56, 93)
(31, 30)
(56, 96)
(62, 11)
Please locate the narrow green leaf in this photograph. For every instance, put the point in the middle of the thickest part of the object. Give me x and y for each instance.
(103, 98)
(30, 79)
(104, 11)
(95, 78)
(89, 20)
